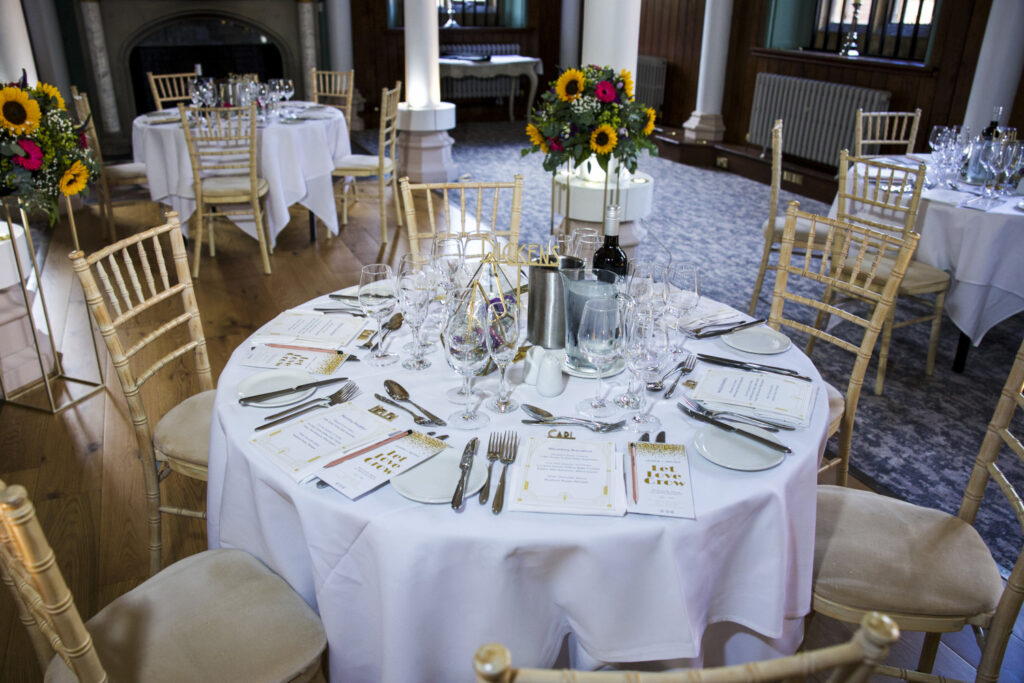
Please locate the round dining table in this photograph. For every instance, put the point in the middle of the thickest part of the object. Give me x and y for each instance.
(298, 149)
(408, 591)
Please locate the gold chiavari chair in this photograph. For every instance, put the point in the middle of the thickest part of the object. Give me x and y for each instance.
(220, 615)
(128, 287)
(381, 164)
(928, 569)
(886, 128)
(222, 148)
(334, 88)
(169, 89)
(849, 260)
(851, 662)
(111, 175)
(474, 217)
(886, 197)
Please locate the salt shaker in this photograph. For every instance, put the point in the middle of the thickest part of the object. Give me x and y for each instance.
(549, 380)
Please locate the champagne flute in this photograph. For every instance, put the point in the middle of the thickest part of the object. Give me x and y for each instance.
(683, 299)
(378, 298)
(448, 256)
(600, 341)
(646, 349)
(502, 344)
(465, 341)
(415, 292)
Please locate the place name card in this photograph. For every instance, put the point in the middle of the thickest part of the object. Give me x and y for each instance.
(569, 476)
(661, 474)
(310, 328)
(366, 472)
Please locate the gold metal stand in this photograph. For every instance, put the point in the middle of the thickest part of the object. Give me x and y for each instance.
(48, 376)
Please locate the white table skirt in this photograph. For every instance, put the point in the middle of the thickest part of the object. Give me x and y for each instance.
(983, 252)
(409, 591)
(295, 159)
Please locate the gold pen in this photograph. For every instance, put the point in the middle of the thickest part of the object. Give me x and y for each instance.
(632, 465)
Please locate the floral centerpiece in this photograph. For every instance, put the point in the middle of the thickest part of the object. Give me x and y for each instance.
(591, 112)
(43, 152)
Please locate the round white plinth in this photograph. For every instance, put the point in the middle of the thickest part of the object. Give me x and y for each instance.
(586, 198)
(426, 119)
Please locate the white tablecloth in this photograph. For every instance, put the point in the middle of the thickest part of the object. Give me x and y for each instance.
(983, 251)
(408, 591)
(296, 159)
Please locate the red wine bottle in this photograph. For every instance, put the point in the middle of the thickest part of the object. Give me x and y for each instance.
(610, 255)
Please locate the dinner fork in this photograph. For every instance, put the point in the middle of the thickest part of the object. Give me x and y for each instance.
(493, 451)
(509, 448)
(689, 363)
(347, 392)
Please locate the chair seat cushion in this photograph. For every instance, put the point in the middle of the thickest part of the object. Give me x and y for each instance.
(362, 163)
(873, 552)
(184, 432)
(836, 408)
(803, 229)
(231, 185)
(129, 172)
(220, 615)
(920, 278)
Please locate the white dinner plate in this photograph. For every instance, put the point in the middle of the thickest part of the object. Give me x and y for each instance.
(737, 452)
(434, 480)
(759, 339)
(272, 380)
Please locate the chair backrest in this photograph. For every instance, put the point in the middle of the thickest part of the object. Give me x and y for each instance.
(1000, 433)
(850, 261)
(335, 88)
(169, 88)
(221, 141)
(45, 604)
(879, 195)
(469, 211)
(890, 128)
(388, 140)
(773, 203)
(852, 661)
(137, 298)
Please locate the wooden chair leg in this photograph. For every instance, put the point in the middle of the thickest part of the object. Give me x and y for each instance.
(883, 350)
(929, 649)
(197, 239)
(398, 201)
(383, 210)
(760, 276)
(261, 236)
(344, 202)
(312, 227)
(213, 242)
(933, 341)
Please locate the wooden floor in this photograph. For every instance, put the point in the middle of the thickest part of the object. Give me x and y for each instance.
(81, 468)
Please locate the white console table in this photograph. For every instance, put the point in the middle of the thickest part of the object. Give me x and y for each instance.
(498, 65)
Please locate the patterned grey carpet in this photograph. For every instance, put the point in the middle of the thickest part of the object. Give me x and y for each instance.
(918, 440)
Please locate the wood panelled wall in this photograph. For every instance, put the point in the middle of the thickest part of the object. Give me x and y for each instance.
(379, 52)
(672, 29)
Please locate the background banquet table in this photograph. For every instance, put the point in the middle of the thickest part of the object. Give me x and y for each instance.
(296, 159)
(513, 66)
(408, 591)
(981, 250)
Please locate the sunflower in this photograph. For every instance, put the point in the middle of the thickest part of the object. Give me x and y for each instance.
(570, 85)
(649, 128)
(603, 139)
(19, 113)
(74, 179)
(51, 91)
(627, 83)
(533, 133)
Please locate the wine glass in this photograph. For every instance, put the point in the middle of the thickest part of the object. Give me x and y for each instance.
(646, 349)
(448, 257)
(287, 88)
(600, 341)
(378, 299)
(502, 344)
(1014, 161)
(465, 342)
(415, 292)
(683, 299)
(586, 245)
(937, 140)
(993, 161)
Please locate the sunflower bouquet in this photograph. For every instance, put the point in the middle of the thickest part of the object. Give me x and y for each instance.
(43, 152)
(591, 112)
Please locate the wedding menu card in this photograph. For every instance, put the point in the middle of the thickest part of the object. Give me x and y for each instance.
(366, 472)
(569, 476)
(310, 328)
(307, 443)
(315, 362)
(661, 474)
(758, 393)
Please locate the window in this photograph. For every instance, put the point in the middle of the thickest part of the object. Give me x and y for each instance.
(468, 13)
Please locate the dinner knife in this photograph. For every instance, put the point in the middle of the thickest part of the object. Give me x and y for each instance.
(727, 330)
(466, 464)
(746, 365)
(344, 297)
(354, 312)
(246, 400)
(735, 430)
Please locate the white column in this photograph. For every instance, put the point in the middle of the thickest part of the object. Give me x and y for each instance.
(422, 71)
(705, 123)
(1000, 64)
(15, 46)
(339, 33)
(307, 38)
(96, 48)
(569, 36)
(611, 33)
